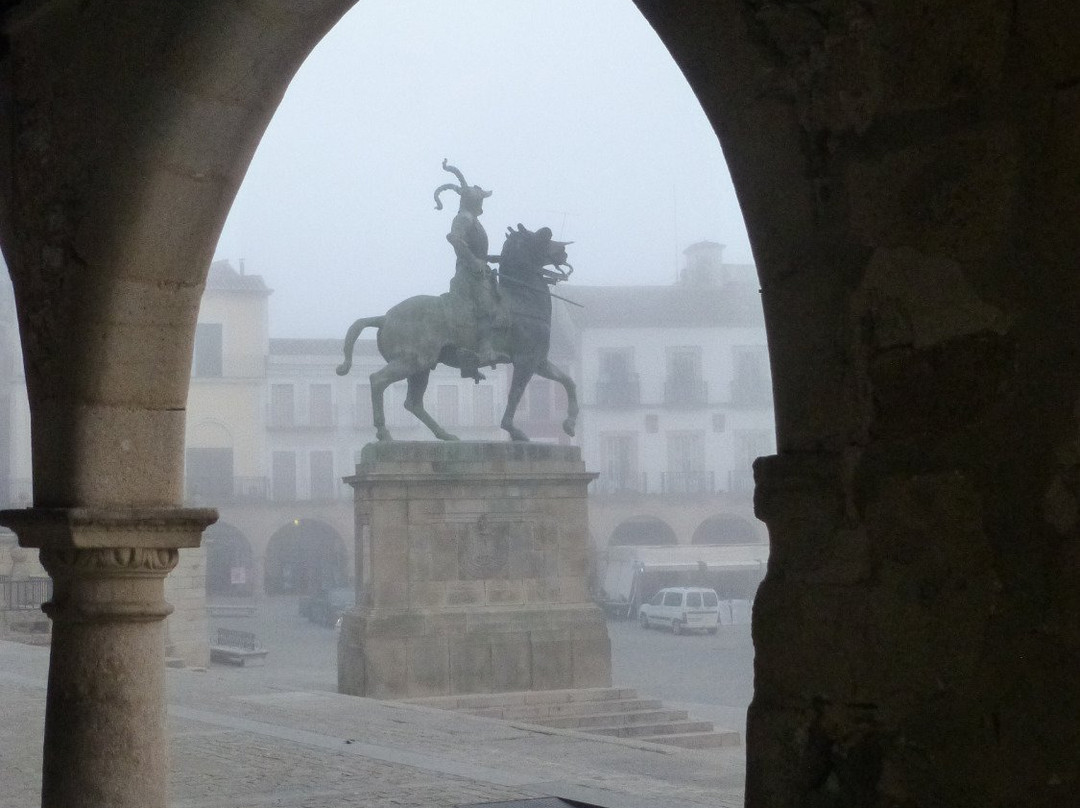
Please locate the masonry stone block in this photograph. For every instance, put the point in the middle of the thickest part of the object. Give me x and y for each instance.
(511, 662)
(427, 594)
(428, 663)
(553, 663)
(385, 662)
(389, 592)
(588, 650)
(572, 590)
(502, 592)
(397, 623)
(470, 665)
(464, 593)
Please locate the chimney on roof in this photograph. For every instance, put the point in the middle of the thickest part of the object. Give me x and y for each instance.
(241, 266)
(704, 265)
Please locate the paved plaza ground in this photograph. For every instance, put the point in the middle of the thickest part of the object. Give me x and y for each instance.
(279, 736)
(709, 675)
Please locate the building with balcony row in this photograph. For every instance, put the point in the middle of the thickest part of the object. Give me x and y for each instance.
(677, 403)
(674, 389)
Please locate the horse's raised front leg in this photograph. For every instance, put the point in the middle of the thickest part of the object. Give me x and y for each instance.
(548, 370)
(517, 388)
(395, 371)
(414, 403)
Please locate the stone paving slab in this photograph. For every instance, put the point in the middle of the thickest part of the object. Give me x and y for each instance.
(236, 744)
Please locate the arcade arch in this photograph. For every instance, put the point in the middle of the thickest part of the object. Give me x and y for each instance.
(643, 531)
(726, 529)
(303, 558)
(230, 567)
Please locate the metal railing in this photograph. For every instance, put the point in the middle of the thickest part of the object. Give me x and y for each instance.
(687, 482)
(251, 489)
(24, 595)
(621, 484)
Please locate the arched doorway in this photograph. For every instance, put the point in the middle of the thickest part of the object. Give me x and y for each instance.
(304, 557)
(726, 529)
(643, 531)
(229, 562)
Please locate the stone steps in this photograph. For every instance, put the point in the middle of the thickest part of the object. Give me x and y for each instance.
(697, 740)
(588, 721)
(476, 701)
(657, 730)
(616, 712)
(536, 712)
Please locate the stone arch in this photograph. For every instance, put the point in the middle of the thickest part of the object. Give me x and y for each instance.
(726, 528)
(230, 563)
(643, 531)
(152, 139)
(908, 183)
(304, 557)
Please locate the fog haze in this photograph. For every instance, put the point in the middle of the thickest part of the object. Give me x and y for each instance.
(573, 114)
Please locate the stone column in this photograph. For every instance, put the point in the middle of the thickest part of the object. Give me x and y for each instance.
(105, 738)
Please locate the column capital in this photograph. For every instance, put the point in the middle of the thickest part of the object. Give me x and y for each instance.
(59, 529)
(108, 564)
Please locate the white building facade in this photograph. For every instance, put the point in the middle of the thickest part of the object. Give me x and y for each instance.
(673, 383)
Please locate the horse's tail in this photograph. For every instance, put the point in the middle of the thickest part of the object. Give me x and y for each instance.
(352, 335)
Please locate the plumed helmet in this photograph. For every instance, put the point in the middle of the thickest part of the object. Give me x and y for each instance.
(468, 193)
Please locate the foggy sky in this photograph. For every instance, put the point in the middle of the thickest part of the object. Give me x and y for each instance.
(572, 113)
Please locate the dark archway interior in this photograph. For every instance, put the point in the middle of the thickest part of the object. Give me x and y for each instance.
(229, 562)
(725, 529)
(644, 531)
(303, 558)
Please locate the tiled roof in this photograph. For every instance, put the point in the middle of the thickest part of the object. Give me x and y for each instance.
(318, 347)
(732, 305)
(222, 277)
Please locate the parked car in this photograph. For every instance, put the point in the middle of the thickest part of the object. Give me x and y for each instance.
(683, 609)
(326, 606)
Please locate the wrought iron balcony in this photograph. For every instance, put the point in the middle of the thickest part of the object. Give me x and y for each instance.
(24, 595)
(213, 489)
(687, 482)
(622, 483)
(251, 489)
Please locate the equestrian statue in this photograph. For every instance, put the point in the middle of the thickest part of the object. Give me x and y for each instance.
(486, 319)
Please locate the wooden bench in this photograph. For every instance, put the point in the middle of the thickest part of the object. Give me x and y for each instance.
(236, 647)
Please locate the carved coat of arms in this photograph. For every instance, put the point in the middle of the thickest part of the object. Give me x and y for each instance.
(484, 548)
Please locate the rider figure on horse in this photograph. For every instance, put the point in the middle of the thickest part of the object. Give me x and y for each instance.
(474, 297)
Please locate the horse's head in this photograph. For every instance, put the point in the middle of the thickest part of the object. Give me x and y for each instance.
(531, 252)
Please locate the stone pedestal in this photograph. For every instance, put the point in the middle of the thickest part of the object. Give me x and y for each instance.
(471, 565)
(105, 708)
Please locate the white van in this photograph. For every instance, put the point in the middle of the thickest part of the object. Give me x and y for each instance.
(683, 608)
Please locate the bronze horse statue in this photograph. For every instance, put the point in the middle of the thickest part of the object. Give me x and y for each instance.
(419, 333)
